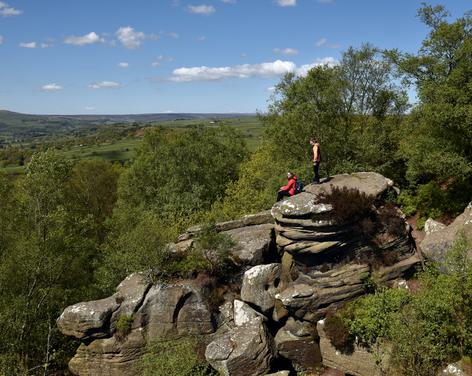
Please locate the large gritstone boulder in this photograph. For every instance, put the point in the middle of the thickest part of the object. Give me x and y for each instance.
(298, 342)
(116, 330)
(245, 350)
(326, 261)
(358, 362)
(260, 284)
(439, 238)
(93, 319)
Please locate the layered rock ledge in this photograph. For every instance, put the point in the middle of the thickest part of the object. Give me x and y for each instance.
(325, 262)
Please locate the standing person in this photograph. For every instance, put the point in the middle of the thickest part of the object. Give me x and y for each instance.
(316, 158)
(289, 189)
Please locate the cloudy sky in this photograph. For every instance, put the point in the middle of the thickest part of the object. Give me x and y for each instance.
(121, 56)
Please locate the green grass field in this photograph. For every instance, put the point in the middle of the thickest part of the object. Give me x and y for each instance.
(123, 150)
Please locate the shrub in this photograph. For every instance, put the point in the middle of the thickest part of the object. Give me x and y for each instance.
(394, 224)
(174, 357)
(370, 317)
(123, 326)
(432, 201)
(210, 253)
(348, 203)
(338, 332)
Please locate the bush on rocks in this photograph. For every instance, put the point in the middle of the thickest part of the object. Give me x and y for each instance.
(347, 203)
(338, 333)
(174, 357)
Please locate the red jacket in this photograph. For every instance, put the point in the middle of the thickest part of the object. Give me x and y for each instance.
(291, 186)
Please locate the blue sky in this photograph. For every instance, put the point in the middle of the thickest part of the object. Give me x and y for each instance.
(121, 56)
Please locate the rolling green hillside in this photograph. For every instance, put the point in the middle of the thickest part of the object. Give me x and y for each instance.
(113, 138)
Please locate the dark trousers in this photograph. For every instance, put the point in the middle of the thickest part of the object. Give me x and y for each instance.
(316, 171)
(282, 194)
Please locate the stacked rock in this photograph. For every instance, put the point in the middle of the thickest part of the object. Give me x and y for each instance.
(324, 262)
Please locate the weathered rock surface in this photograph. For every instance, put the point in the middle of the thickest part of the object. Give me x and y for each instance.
(153, 311)
(89, 319)
(109, 356)
(169, 309)
(253, 236)
(243, 314)
(253, 244)
(95, 319)
(431, 226)
(297, 341)
(248, 220)
(360, 362)
(260, 284)
(436, 244)
(246, 350)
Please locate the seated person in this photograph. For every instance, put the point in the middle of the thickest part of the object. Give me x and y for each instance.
(289, 189)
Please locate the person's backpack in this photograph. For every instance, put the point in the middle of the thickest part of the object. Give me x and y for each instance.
(299, 186)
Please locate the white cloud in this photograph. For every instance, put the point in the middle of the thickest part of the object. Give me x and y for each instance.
(123, 64)
(105, 85)
(321, 42)
(173, 35)
(286, 3)
(285, 51)
(265, 70)
(28, 45)
(201, 38)
(46, 45)
(6, 10)
(303, 69)
(204, 73)
(229, 1)
(160, 59)
(51, 87)
(201, 9)
(89, 108)
(129, 37)
(1, 39)
(90, 38)
(271, 89)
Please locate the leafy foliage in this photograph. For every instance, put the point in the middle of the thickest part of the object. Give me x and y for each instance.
(431, 201)
(174, 357)
(210, 253)
(179, 173)
(438, 138)
(426, 329)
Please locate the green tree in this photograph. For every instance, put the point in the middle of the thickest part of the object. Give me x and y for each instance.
(46, 267)
(92, 191)
(180, 173)
(437, 142)
(341, 105)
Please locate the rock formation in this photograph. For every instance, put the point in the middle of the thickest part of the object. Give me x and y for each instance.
(440, 238)
(295, 263)
(326, 263)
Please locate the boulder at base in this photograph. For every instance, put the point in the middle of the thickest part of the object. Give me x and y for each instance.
(246, 350)
(437, 242)
(359, 362)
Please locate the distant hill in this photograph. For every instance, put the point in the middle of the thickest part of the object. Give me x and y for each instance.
(17, 127)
